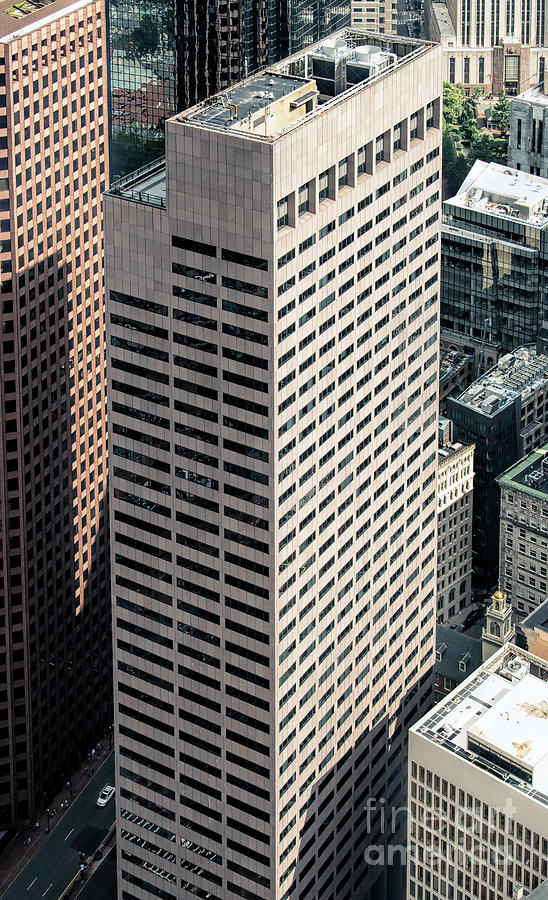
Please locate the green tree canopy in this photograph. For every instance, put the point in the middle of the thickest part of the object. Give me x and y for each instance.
(500, 117)
(453, 102)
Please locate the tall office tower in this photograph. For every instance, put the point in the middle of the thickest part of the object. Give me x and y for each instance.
(492, 45)
(528, 142)
(504, 413)
(455, 508)
(54, 586)
(167, 58)
(495, 261)
(273, 329)
(478, 785)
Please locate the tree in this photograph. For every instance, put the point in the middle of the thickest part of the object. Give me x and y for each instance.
(469, 119)
(500, 117)
(487, 148)
(146, 37)
(453, 102)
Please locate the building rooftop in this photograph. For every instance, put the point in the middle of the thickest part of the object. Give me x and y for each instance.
(268, 104)
(450, 450)
(20, 16)
(540, 893)
(452, 362)
(146, 185)
(529, 475)
(443, 19)
(518, 373)
(538, 618)
(457, 654)
(497, 720)
(504, 193)
(534, 95)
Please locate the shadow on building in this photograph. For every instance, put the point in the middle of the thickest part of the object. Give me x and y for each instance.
(352, 843)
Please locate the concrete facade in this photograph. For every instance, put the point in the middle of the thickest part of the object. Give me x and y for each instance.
(477, 817)
(273, 497)
(455, 514)
(55, 657)
(492, 45)
(524, 532)
(528, 142)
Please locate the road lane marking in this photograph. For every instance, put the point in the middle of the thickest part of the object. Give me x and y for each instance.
(69, 834)
(47, 889)
(32, 882)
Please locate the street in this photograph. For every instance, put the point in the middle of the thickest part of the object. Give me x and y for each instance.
(81, 830)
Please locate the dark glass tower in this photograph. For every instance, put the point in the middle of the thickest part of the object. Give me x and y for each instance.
(165, 57)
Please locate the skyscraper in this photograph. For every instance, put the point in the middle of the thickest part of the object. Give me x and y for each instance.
(165, 58)
(55, 695)
(273, 329)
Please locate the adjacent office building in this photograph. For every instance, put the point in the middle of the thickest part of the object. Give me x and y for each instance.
(478, 786)
(273, 329)
(524, 531)
(505, 413)
(457, 372)
(493, 46)
(528, 142)
(535, 628)
(455, 510)
(495, 261)
(55, 693)
(165, 58)
(375, 15)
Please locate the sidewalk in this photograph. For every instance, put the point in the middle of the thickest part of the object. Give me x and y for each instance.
(15, 857)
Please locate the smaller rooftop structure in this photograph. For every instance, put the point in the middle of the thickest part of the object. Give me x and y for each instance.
(503, 192)
(529, 475)
(516, 374)
(453, 363)
(278, 99)
(457, 653)
(497, 721)
(534, 95)
(443, 19)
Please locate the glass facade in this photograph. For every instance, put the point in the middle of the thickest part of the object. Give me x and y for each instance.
(142, 80)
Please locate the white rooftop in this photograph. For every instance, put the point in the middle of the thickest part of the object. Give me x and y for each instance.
(497, 719)
(504, 192)
(534, 95)
(517, 373)
(517, 727)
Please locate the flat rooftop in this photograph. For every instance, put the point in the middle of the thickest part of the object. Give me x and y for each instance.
(516, 374)
(452, 362)
(503, 193)
(268, 104)
(497, 720)
(528, 475)
(534, 95)
(145, 185)
(451, 449)
(20, 16)
(443, 19)
(538, 618)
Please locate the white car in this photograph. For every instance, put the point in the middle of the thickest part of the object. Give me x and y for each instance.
(106, 794)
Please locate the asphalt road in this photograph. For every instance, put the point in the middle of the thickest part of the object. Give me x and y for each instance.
(81, 829)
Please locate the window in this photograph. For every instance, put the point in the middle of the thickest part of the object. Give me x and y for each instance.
(466, 70)
(326, 185)
(305, 193)
(481, 70)
(283, 213)
(451, 70)
(380, 150)
(398, 137)
(344, 167)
